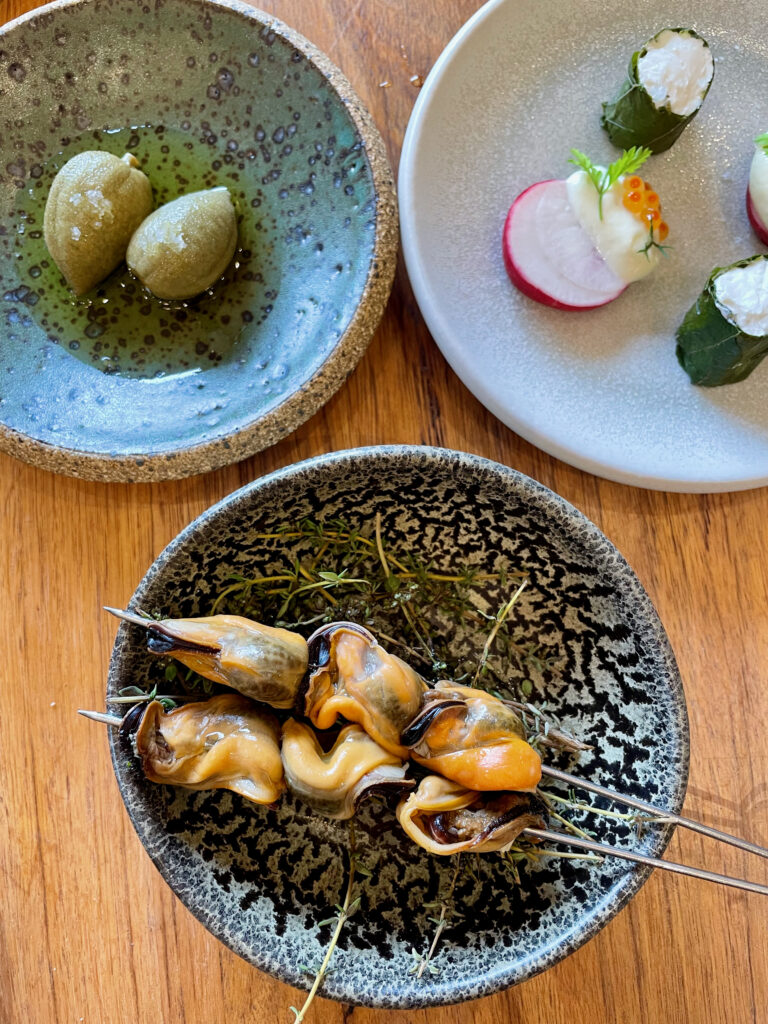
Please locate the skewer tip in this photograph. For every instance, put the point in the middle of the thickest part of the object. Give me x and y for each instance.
(128, 616)
(100, 716)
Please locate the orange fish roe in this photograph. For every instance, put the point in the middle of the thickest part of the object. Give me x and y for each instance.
(643, 203)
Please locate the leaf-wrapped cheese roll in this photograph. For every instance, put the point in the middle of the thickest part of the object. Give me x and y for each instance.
(352, 676)
(473, 738)
(444, 818)
(667, 81)
(261, 662)
(724, 334)
(334, 782)
(226, 742)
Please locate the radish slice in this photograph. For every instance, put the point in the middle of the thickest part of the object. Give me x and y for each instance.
(754, 219)
(550, 257)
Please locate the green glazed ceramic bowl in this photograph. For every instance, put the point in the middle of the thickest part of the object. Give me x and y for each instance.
(117, 385)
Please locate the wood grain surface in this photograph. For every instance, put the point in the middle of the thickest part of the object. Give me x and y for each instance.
(90, 932)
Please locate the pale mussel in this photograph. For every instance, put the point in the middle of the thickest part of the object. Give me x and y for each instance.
(262, 662)
(334, 782)
(472, 738)
(225, 742)
(353, 676)
(445, 818)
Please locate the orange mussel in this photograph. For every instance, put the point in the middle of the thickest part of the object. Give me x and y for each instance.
(472, 738)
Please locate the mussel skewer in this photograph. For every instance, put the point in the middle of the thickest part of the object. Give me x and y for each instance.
(229, 742)
(465, 734)
(226, 742)
(334, 782)
(441, 816)
(473, 738)
(352, 675)
(445, 818)
(262, 662)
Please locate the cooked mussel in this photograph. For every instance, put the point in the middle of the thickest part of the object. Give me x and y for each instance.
(262, 662)
(352, 676)
(227, 742)
(445, 818)
(333, 782)
(473, 738)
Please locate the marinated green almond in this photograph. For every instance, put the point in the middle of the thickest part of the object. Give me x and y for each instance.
(185, 246)
(96, 202)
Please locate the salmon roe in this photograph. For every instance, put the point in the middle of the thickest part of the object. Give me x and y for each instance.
(641, 201)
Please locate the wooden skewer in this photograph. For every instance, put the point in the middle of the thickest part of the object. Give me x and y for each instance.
(657, 812)
(641, 858)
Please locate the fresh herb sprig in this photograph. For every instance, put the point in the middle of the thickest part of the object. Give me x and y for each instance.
(447, 912)
(762, 141)
(334, 571)
(343, 913)
(604, 178)
(653, 244)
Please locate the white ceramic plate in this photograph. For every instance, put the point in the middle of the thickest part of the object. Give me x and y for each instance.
(516, 88)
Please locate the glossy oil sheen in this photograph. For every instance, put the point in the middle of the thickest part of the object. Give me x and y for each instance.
(119, 327)
(121, 373)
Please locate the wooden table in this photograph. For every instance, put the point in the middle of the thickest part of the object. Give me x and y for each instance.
(90, 932)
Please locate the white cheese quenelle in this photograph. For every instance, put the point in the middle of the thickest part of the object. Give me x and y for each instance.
(665, 87)
(757, 189)
(724, 334)
(577, 244)
(741, 294)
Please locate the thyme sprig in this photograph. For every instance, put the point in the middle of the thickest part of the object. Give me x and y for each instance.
(335, 571)
(501, 616)
(135, 695)
(424, 961)
(530, 853)
(638, 819)
(604, 178)
(541, 728)
(343, 913)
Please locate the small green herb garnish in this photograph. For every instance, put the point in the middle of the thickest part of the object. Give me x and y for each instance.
(447, 912)
(762, 140)
(603, 178)
(653, 244)
(343, 913)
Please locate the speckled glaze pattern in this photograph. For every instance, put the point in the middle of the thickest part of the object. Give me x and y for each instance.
(260, 879)
(256, 108)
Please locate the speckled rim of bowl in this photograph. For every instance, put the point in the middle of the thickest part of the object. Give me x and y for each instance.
(600, 547)
(327, 379)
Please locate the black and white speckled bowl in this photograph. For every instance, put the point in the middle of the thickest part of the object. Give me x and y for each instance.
(205, 93)
(260, 879)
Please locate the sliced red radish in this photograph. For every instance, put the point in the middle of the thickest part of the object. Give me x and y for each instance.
(550, 257)
(754, 219)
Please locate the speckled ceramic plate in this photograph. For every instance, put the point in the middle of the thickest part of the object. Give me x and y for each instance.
(120, 386)
(261, 879)
(520, 85)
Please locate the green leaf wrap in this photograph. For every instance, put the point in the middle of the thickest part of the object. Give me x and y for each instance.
(632, 119)
(711, 349)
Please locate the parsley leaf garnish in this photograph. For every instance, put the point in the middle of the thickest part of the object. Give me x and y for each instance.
(603, 179)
